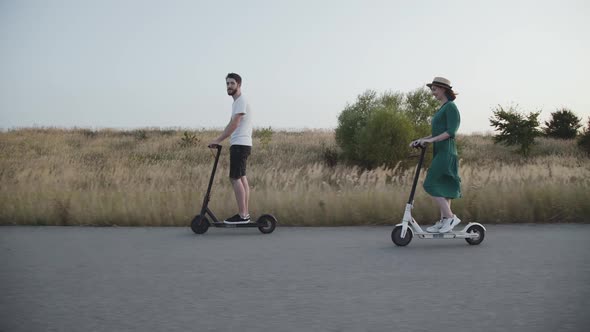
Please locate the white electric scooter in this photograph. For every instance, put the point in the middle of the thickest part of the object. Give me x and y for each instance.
(402, 234)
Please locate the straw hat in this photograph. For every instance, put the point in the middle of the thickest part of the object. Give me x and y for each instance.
(440, 81)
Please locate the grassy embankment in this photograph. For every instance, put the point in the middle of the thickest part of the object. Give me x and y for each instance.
(145, 177)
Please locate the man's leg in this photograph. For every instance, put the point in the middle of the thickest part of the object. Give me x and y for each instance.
(241, 193)
(238, 157)
(246, 192)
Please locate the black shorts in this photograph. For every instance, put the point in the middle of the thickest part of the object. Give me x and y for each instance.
(238, 155)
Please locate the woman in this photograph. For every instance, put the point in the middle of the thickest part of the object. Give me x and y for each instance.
(442, 181)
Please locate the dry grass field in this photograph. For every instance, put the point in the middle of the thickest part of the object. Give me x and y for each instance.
(151, 177)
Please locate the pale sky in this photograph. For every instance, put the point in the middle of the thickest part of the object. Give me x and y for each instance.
(131, 64)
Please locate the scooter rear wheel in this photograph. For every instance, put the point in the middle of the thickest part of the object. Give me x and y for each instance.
(200, 224)
(478, 230)
(267, 222)
(396, 236)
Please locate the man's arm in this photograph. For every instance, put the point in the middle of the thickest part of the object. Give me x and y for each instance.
(229, 129)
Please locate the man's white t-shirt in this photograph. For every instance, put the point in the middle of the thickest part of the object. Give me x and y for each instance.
(243, 134)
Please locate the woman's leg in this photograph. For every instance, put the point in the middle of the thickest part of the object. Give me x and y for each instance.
(445, 212)
(449, 219)
(444, 204)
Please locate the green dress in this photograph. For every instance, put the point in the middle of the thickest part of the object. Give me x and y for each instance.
(443, 178)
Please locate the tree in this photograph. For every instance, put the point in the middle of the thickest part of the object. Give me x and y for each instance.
(376, 129)
(420, 105)
(515, 128)
(564, 124)
(584, 140)
(350, 122)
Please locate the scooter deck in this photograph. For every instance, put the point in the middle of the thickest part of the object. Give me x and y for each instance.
(450, 235)
(250, 224)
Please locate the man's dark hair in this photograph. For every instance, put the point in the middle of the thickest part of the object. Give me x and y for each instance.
(235, 76)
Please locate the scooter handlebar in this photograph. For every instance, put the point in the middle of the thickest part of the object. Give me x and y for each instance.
(417, 145)
(214, 146)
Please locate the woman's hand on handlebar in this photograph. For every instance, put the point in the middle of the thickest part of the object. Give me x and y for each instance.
(419, 143)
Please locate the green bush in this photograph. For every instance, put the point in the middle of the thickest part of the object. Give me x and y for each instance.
(265, 136)
(330, 155)
(188, 140)
(376, 130)
(564, 124)
(140, 134)
(385, 138)
(515, 128)
(88, 133)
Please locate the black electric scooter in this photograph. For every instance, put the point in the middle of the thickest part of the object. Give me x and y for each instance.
(200, 224)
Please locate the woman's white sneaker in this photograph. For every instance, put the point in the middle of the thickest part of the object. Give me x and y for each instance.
(435, 228)
(448, 224)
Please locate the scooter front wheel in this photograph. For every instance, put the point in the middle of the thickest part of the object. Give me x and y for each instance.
(200, 224)
(396, 236)
(267, 223)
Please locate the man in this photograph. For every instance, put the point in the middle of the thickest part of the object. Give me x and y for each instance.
(239, 130)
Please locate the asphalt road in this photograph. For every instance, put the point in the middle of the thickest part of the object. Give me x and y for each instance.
(521, 278)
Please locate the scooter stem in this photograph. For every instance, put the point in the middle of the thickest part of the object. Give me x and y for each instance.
(208, 194)
(411, 200)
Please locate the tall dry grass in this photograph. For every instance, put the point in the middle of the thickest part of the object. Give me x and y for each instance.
(145, 177)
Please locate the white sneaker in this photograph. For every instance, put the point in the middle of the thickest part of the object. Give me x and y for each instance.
(448, 224)
(435, 228)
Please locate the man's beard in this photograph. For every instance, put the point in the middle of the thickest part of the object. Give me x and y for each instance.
(231, 92)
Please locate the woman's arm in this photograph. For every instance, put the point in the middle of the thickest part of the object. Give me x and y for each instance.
(441, 137)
